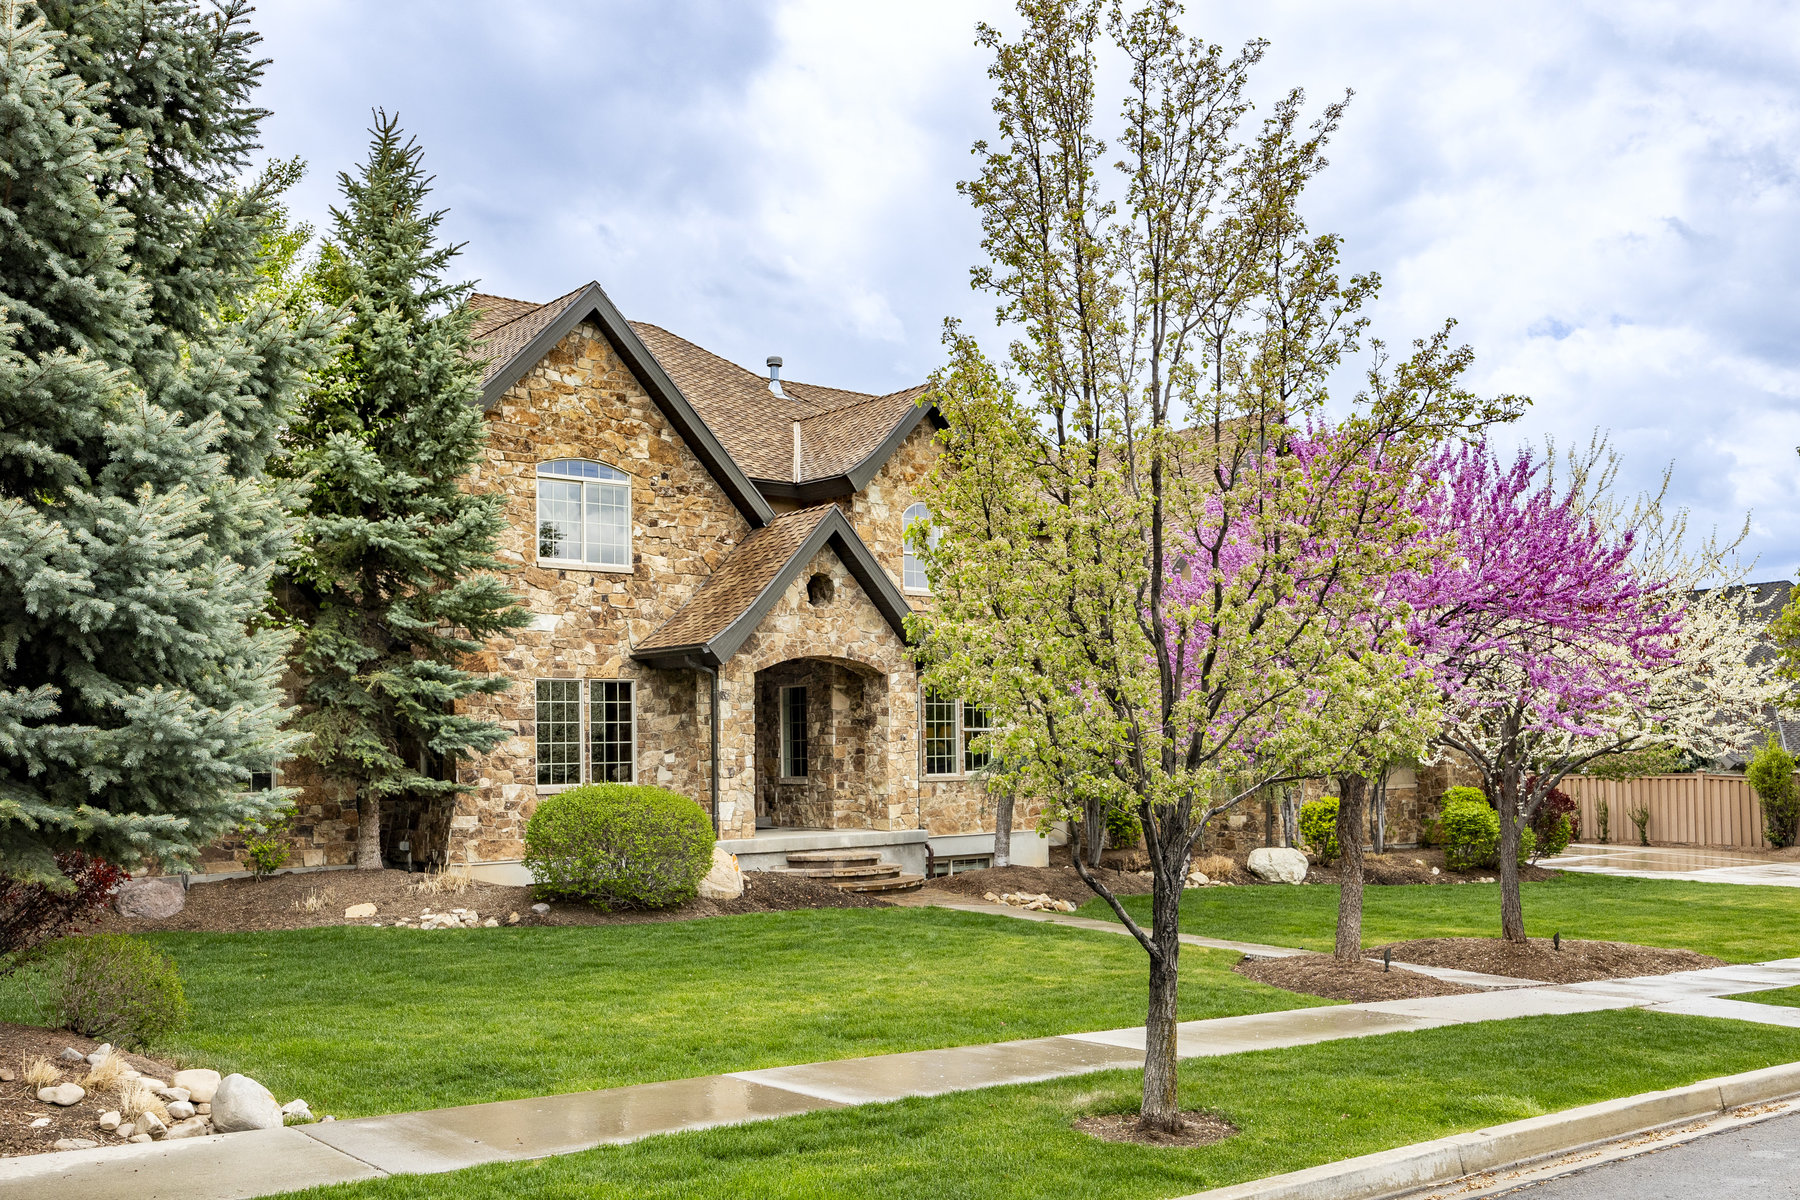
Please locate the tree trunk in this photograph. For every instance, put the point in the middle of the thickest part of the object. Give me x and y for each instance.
(1268, 821)
(1003, 818)
(1512, 909)
(1352, 789)
(368, 833)
(1290, 823)
(1162, 1108)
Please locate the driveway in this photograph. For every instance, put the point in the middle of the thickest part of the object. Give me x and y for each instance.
(1695, 863)
(1762, 1160)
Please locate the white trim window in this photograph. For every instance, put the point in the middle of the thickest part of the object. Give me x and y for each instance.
(949, 729)
(583, 515)
(265, 776)
(578, 742)
(912, 567)
(794, 763)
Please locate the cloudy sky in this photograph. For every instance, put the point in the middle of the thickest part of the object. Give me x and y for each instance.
(1604, 195)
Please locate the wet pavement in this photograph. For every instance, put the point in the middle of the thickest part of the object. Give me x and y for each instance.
(1761, 1160)
(1696, 864)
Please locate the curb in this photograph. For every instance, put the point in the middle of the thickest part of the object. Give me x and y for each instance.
(1424, 1164)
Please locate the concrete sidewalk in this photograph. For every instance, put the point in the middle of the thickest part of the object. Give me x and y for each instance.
(1691, 864)
(242, 1165)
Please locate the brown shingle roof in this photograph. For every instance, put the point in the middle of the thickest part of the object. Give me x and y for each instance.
(838, 430)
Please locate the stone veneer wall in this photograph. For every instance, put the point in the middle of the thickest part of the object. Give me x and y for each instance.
(1412, 798)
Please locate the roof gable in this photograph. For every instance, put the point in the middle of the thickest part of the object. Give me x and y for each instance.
(733, 601)
(520, 340)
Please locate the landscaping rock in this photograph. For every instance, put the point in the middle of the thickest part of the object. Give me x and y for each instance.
(150, 899)
(1278, 864)
(128, 1132)
(151, 1124)
(490, 923)
(724, 881)
(73, 1144)
(109, 1121)
(200, 1083)
(191, 1127)
(201, 1107)
(296, 1112)
(6, 1075)
(174, 1093)
(181, 1110)
(99, 1056)
(40, 1122)
(64, 1094)
(139, 1137)
(242, 1103)
(357, 912)
(512, 918)
(71, 1055)
(540, 908)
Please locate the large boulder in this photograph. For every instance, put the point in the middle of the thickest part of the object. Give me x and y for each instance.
(724, 881)
(242, 1103)
(1278, 864)
(150, 899)
(200, 1083)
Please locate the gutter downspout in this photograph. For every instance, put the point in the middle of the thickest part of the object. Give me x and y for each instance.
(712, 674)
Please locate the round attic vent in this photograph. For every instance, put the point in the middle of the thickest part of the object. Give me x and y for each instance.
(819, 590)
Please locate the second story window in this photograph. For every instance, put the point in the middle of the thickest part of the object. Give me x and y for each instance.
(913, 568)
(583, 514)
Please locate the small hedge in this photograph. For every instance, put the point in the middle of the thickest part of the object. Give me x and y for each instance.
(1318, 828)
(115, 988)
(619, 845)
(1471, 831)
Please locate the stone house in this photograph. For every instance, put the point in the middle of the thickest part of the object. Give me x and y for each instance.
(716, 566)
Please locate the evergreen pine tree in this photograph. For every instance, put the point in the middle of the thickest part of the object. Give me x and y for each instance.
(395, 582)
(138, 687)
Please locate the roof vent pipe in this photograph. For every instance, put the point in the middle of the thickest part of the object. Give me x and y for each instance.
(775, 376)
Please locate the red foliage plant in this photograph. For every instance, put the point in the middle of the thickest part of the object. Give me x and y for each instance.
(34, 913)
(1557, 803)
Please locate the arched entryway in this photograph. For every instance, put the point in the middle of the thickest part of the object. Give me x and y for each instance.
(821, 733)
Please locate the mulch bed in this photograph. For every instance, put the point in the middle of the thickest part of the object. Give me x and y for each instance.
(1415, 866)
(1359, 982)
(1576, 962)
(1059, 883)
(1200, 1129)
(19, 1105)
(281, 902)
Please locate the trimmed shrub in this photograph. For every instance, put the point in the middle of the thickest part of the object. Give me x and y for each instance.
(33, 913)
(1464, 795)
(1771, 773)
(1554, 823)
(1318, 828)
(1471, 831)
(1123, 829)
(266, 852)
(619, 845)
(116, 988)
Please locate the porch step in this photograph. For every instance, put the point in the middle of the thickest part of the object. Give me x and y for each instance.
(832, 858)
(853, 870)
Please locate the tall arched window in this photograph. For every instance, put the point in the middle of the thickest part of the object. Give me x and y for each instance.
(584, 514)
(913, 569)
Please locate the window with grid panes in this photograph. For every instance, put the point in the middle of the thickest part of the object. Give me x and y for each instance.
(974, 723)
(940, 735)
(584, 513)
(612, 732)
(558, 731)
(793, 733)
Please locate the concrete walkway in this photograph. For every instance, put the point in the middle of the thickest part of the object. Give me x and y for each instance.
(242, 1165)
(1694, 864)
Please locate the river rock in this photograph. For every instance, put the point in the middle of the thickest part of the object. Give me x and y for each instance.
(724, 881)
(73, 1144)
(150, 899)
(64, 1094)
(191, 1127)
(357, 912)
(200, 1083)
(1278, 864)
(109, 1120)
(242, 1103)
(181, 1110)
(150, 1123)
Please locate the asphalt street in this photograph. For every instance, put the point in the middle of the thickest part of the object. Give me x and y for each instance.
(1761, 1160)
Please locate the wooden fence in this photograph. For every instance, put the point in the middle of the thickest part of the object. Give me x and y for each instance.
(1693, 810)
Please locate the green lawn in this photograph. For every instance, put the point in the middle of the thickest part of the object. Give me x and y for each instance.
(1733, 922)
(1781, 997)
(1296, 1108)
(361, 1021)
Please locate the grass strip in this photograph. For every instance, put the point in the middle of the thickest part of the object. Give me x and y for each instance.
(1788, 997)
(1738, 923)
(361, 1021)
(1296, 1108)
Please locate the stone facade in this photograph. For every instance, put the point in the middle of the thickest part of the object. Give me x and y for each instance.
(1413, 798)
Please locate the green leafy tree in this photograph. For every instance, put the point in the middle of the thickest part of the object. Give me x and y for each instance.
(138, 534)
(1771, 773)
(395, 586)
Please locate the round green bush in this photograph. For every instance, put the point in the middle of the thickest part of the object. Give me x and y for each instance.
(1471, 833)
(1318, 828)
(116, 988)
(1464, 795)
(619, 845)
